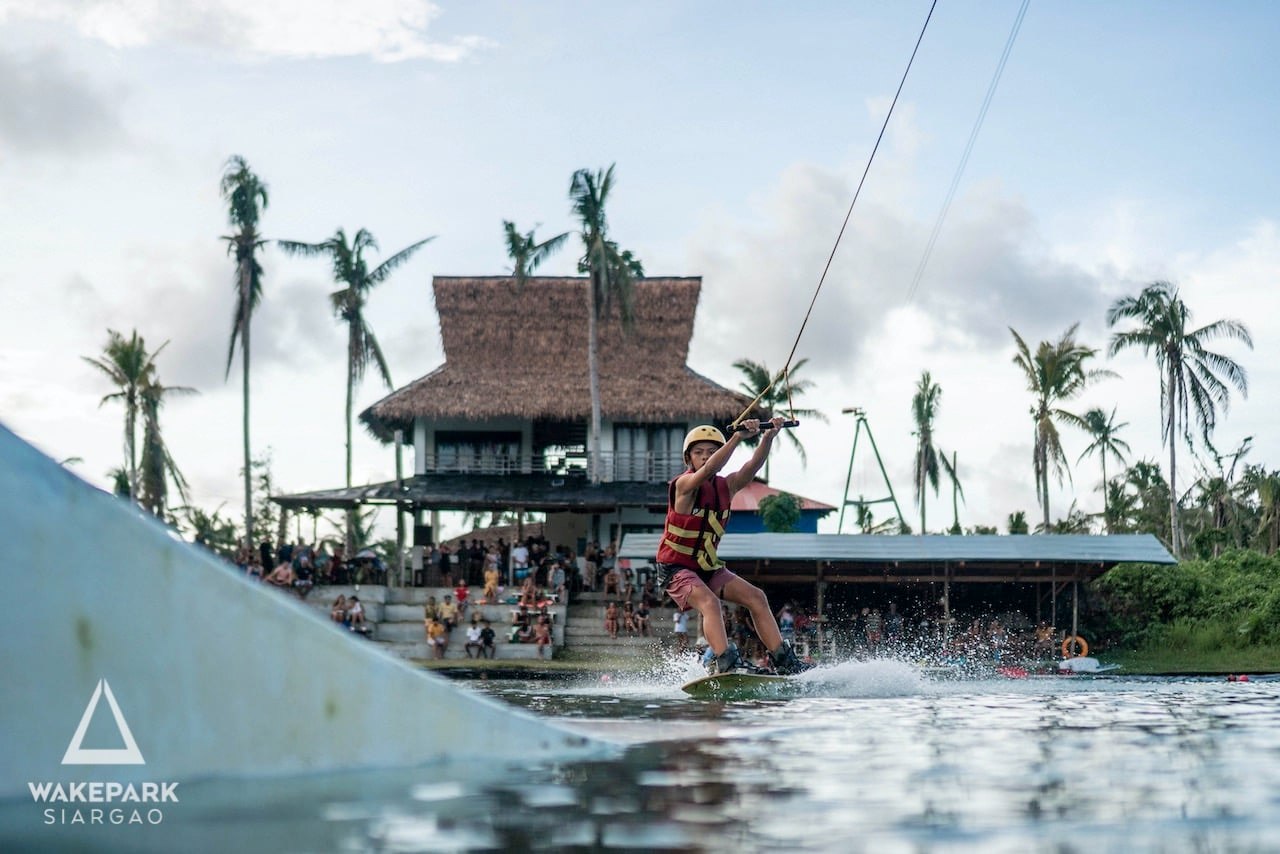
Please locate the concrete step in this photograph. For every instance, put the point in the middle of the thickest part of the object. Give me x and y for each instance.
(414, 631)
(507, 651)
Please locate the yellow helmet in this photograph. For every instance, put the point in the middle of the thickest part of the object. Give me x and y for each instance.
(703, 433)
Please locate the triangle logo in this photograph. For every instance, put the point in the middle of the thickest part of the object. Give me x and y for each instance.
(77, 754)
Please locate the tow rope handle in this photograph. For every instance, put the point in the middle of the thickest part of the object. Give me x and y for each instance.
(742, 428)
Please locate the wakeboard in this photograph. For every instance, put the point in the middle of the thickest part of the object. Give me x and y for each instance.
(741, 685)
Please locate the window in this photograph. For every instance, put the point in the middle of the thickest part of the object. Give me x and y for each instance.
(647, 452)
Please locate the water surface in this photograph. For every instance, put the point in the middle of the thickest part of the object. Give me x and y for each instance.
(874, 758)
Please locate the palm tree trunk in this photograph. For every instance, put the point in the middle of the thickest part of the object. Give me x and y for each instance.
(1175, 538)
(351, 358)
(1106, 511)
(920, 483)
(1043, 453)
(131, 441)
(593, 453)
(244, 358)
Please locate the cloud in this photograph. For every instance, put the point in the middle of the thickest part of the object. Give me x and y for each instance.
(990, 270)
(48, 106)
(185, 296)
(386, 30)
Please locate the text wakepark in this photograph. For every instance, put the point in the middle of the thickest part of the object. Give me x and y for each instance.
(103, 793)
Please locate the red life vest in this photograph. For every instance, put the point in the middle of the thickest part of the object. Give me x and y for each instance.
(690, 539)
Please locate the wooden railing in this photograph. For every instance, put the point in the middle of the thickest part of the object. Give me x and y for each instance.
(645, 467)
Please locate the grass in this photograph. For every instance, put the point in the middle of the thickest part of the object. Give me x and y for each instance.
(1166, 660)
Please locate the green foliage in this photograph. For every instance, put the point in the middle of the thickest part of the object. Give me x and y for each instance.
(1229, 602)
(780, 513)
(1018, 522)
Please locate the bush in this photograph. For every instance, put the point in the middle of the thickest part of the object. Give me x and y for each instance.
(1230, 601)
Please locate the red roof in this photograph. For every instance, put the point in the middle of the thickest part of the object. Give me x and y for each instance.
(748, 499)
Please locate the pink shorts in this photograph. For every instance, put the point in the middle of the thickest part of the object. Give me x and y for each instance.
(686, 580)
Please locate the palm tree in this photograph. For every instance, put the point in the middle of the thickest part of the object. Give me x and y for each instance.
(928, 458)
(130, 367)
(1018, 522)
(351, 270)
(612, 274)
(1055, 373)
(1268, 490)
(246, 197)
(1191, 377)
(774, 393)
(1104, 431)
(157, 464)
(526, 253)
(1153, 492)
(1120, 507)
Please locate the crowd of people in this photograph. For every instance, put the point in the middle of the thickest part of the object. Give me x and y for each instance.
(299, 566)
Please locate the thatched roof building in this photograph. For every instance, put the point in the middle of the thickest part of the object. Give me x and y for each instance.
(523, 352)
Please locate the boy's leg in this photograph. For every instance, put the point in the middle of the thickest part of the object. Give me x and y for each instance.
(708, 605)
(743, 592)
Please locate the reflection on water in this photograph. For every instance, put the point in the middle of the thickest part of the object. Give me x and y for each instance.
(872, 758)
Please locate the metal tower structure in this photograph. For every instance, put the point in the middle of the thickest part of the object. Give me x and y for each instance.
(860, 415)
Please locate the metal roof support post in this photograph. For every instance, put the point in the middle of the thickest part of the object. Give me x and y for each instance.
(1053, 596)
(946, 606)
(1075, 605)
(820, 589)
(399, 509)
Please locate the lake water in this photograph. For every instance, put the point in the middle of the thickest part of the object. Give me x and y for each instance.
(875, 758)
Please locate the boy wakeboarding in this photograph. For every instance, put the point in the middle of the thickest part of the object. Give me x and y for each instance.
(688, 567)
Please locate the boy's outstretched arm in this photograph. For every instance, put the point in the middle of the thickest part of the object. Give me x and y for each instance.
(744, 475)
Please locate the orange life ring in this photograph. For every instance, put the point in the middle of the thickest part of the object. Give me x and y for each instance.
(1071, 641)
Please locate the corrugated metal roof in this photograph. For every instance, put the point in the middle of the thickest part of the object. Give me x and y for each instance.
(933, 548)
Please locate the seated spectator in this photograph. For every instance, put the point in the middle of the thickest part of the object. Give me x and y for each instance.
(303, 582)
(281, 576)
(448, 612)
(430, 610)
(542, 636)
(474, 642)
(255, 569)
(628, 587)
(529, 593)
(520, 634)
(437, 638)
(487, 638)
(642, 620)
(355, 615)
(338, 610)
(461, 596)
(520, 616)
(612, 582)
(628, 618)
(649, 594)
(611, 620)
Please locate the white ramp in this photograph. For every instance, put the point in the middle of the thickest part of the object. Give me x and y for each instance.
(211, 675)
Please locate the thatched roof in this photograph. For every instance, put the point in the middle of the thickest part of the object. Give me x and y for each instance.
(523, 353)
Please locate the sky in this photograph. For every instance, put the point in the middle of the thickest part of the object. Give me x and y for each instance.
(1126, 143)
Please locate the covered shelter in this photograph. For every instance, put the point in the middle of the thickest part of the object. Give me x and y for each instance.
(1049, 562)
